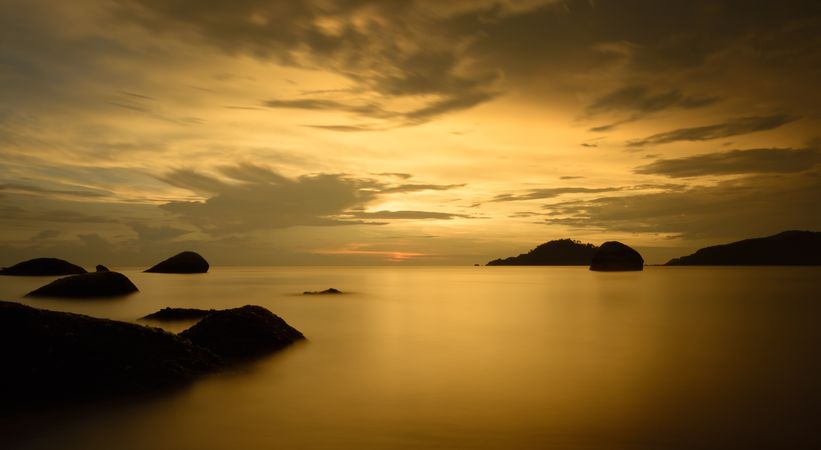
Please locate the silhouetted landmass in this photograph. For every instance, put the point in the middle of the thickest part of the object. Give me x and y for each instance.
(242, 332)
(790, 248)
(43, 267)
(52, 357)
(329, 291)
(94, 284)
(101, 268)
(614, 256)
(562, 252)
(172, 314)
(184, 262)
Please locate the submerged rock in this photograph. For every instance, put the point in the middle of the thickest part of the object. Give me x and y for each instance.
(185, 262)
(242, 332)
(96, 284)
(50, 356)
(615, 256)
(329, 291)
(43, 267)
(101, 268)
(173, 314)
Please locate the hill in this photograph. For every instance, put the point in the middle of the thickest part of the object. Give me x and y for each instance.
(790, 248)
(562, 252)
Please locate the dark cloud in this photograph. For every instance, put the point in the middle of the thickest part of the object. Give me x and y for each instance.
(154, 234)
(759, 160)
(570, 177)
(387, 49)
(638, 101)
(732, 127)
(255, 197)
(754, 205)
(540, 194)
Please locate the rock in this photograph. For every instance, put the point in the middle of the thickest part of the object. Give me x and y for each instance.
(43, 267)
(789, 248)
(96, 284)
(329, 291)
(102, 268)
(562, 252)
(174, 314)
(185, 262)
(242, 332)
(51, 356)
(615, 256)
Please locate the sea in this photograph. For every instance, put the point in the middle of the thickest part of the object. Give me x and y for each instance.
(474, 358)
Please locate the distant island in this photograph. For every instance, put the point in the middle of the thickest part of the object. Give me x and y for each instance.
(561, 252)
(790, 248)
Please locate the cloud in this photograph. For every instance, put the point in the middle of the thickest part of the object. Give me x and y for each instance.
(639, 101)
(254, 197)
(733, 127)
(759, 160)
(540, 194)
(386, 50)
(407, 215)
(731, 209)
(57, 193)
(45, 235)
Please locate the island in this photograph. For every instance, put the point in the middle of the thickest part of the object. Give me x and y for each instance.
(561, 252)
(43, 267)
(789, 248)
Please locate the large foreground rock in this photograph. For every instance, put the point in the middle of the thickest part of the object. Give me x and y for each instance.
(178, 314)
(185, 262)
(43, 267)
(615, 256)
(95, 284)
(242, 332)
(50, 356)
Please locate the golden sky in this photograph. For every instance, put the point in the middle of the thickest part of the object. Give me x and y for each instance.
(402, 132)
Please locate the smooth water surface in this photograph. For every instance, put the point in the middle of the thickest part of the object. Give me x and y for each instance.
(477, 358)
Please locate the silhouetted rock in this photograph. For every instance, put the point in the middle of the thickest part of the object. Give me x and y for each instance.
(95, 284)
(242, 332)
(43, 267)
(185, 262)
(329, 291)
(615, 256)
(562, 252)
(51, 356)
(102, 268)
(172, 314)
(790, 248)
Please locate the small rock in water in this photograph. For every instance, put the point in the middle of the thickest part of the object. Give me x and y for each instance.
(329, 291)
(185, 262)
(95, 284)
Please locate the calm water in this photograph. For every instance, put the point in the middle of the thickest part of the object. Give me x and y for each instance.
(479, 358)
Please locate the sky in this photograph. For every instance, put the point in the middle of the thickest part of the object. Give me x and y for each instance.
(402, 132)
